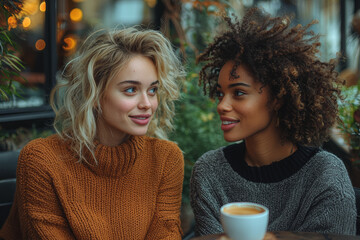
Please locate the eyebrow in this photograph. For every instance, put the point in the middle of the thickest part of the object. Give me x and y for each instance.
(137, 82)
(235, 85)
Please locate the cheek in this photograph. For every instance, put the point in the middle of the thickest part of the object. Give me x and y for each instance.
(118, 105)
(154, 104)
(243, 107)
(125, 107)
(256, 106)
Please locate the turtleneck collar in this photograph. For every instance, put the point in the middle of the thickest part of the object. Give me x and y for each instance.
(275, 172)
(117, 160)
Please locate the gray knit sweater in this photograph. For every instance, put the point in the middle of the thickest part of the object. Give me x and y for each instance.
(309, 191)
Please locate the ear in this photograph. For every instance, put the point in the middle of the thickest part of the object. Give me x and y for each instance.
(278, 103)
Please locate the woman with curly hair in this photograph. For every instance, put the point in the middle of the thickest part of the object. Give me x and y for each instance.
(276, 96)
(104, 175)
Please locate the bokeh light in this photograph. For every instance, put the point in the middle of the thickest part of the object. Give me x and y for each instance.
(76, 15)
(43, 6)
(70, 43)
(26, 22)
(12, 22)
(40, 45)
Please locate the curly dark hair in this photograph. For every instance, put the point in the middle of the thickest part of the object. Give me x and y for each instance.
(284, 59)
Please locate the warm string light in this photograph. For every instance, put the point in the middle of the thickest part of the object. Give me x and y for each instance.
(76, 15)
(26, 22)
(70, 43)
(12, 22)
(40, 45)
(42, 6)
(28, 16)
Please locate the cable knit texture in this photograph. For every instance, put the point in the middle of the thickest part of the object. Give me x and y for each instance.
(309, 191)
(134, 192)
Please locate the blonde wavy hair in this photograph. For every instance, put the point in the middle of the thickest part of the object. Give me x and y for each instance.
(80, 87)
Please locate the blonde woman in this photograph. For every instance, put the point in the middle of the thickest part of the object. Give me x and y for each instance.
(106, 174)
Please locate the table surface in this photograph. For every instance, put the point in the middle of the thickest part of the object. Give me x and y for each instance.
(287, 236)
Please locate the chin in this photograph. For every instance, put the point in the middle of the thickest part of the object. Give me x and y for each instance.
(139, 133)
(228, 139)
(231, 138)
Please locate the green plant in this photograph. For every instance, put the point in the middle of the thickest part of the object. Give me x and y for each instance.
(197, 127)
(10, 64)
(349, 113)
(15, 139)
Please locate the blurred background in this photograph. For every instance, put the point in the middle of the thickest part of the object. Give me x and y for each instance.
(37, 37)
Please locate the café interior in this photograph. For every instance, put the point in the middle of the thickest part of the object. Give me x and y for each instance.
(46, 33)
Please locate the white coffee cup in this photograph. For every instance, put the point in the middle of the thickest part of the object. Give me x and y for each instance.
(244, 220)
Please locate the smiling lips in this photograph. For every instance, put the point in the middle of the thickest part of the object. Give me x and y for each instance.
(228, 123)
(142, 119)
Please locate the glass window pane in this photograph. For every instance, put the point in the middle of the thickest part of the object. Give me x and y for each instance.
(77, 18)
(28, 34)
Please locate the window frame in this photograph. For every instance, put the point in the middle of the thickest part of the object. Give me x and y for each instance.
(45, 112)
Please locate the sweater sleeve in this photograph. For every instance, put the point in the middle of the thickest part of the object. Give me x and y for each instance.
(330, 215)
(36, 207)
(333, 208)
(205, 207)
(166, 221)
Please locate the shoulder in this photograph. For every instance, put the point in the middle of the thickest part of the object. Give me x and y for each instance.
(327, 172)
(327, 162)
(44, 146)
(211, 158)
(161, 145)
(39, 143)
(164, 151)
(209, 164)
(41, 151)
(209, 175)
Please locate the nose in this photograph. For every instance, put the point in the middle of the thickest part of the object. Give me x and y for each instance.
(144, 102)
(224, 105)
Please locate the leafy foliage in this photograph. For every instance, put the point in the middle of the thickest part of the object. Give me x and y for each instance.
(10, 64)
(197, 126)
(15, 139)
(349, 113)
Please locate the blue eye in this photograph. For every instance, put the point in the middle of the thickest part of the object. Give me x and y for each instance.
(153, 90)
(238, 93)
(130, 90)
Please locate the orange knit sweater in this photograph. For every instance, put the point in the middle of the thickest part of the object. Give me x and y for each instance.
(133, 193)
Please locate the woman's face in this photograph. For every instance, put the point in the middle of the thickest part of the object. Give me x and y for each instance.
(243, 106)
(129, 102)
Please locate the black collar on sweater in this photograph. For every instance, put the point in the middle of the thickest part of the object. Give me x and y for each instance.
(275, 172)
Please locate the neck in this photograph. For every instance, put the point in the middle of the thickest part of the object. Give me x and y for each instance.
(266, 150)
(112, 141)
(109, 136)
